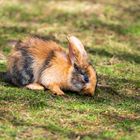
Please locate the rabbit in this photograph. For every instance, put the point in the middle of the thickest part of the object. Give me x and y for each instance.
(39, 64)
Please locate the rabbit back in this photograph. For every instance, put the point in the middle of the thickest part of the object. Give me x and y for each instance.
(30, 58)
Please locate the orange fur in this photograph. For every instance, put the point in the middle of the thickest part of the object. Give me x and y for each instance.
(90, 87)
(52, 67)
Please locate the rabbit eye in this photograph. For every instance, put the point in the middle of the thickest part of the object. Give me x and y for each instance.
(86, 79)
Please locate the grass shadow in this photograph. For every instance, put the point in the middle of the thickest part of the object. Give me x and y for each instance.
(13, 29)
(105, 94)
(120, 55)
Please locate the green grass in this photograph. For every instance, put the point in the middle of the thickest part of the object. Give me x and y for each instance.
(110, 31)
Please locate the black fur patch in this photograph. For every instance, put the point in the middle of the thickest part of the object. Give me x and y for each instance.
(5, 77)
(23, 76)
(47, 62)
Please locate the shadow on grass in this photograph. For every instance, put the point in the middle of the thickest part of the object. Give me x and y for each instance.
(105, 94)
(123, 56)
(132, 9)
(18, 30)
(46, 37)
(124, 122)
(51, 128)
(13, 29)
(8, 31)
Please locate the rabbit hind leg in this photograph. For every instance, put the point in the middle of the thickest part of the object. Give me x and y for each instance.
(35, 86)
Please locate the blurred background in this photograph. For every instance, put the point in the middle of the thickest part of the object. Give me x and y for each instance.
(110, 31)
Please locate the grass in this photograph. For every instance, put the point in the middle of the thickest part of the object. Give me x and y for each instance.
(110, 31)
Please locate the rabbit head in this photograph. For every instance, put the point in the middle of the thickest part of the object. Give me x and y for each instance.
(83, 75)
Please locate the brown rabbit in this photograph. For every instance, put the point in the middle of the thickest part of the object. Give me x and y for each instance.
(38, 64)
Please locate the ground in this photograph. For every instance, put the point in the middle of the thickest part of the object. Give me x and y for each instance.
(110, 31)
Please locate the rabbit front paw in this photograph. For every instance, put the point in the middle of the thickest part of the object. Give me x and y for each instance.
(56, 90)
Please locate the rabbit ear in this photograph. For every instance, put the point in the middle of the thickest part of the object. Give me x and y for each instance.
(77, 53)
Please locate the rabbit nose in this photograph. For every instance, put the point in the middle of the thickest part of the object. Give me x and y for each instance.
(86, 79)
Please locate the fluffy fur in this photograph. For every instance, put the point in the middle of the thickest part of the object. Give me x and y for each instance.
(38, 64)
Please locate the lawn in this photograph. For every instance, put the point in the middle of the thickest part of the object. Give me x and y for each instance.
(110, 31)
